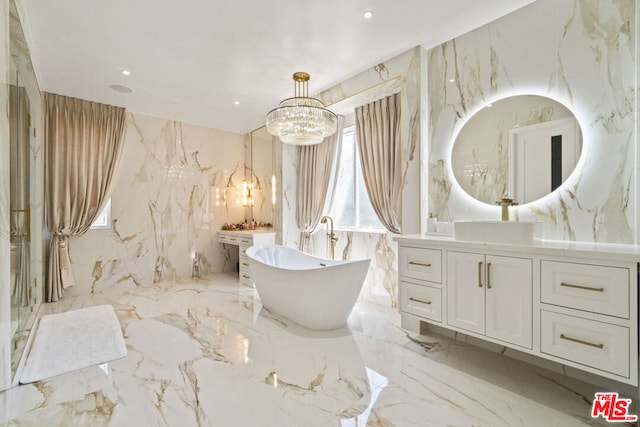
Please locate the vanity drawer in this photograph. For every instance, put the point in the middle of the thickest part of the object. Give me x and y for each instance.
(242, 250)
(226, 238)
(246, 279)
(420, 263)
(594, 288)
(599, 345)
(423, 301)
(246, 241)
(244, 263)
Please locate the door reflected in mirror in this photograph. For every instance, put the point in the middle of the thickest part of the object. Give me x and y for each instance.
(525, 146)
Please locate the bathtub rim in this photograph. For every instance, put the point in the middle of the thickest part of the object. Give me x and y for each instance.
(329, 263)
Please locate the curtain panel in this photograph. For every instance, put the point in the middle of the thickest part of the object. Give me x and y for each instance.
(378, 132)
(83, 146)
(316, 181)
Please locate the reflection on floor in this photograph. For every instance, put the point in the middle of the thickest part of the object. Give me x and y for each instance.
(205, 353)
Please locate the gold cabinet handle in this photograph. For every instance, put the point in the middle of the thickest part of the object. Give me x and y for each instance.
(420, 264)
(246, 277)
(488, 275)
(480, 274)
(245, 264)
(579, 341)
(586, 288)
(421, 301)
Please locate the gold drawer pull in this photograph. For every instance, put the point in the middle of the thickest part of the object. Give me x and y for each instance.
(419, 263)
(586, 288)
(246, 277)
(245, 264)
(564, 337)
(421, 301)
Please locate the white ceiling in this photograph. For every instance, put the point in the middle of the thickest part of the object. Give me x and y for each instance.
(191, 59)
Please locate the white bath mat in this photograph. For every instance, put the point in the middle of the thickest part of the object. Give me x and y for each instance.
(74, 340)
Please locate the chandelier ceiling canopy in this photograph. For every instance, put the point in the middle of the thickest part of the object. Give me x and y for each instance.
(301, 120)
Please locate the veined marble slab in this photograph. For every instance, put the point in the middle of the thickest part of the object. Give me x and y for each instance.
(580, 53)
(206, 353)
(177, 185)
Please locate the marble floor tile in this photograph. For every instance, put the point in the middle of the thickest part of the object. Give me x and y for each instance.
(207, 354)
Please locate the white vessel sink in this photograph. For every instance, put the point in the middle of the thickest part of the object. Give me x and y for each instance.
(511, 232)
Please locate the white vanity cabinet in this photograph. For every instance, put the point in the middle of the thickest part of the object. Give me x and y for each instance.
(572, 303)
(421, 278)
(585, 314)
(244, 240)
(490, 295)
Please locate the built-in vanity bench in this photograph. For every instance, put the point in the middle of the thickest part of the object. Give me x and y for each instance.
(572, 303)
(244, 239)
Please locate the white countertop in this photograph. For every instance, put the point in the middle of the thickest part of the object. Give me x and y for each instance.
(256, 231)
(609, 251)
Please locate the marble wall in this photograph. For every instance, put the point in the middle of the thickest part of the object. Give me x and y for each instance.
(177, 185)
(581, 53)
(381, 283)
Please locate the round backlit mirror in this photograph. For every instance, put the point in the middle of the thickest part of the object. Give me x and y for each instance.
(525, 146)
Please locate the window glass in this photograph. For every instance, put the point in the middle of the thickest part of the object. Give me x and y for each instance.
(104, 219)
(351, 208)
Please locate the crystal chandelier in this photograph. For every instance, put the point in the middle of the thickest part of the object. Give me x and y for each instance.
(301, 120)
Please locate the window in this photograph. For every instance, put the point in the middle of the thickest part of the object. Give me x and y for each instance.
(104, 219)
(351, 208)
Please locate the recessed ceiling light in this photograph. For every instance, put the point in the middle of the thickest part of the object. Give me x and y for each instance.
(121, 88)
(236, 102)
(126, 72)
(367, 14)
(452, 80)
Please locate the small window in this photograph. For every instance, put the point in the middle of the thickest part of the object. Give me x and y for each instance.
(351, 208)
(104, 219)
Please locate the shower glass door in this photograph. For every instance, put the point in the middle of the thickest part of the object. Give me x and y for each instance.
(26, 195)
(22, 298)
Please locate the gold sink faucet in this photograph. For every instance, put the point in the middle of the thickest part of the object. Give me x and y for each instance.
(505, 202)
(331, 237)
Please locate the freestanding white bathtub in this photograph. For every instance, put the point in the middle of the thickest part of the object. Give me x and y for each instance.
(316, 293)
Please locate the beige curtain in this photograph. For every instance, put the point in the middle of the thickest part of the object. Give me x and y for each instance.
(378, 131)
(317, 165)
(83, 142)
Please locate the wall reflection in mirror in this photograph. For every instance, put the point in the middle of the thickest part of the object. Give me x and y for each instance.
(261, 178)
(25, 190)
(524, 146)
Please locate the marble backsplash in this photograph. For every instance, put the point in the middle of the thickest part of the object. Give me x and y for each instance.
(381, 283)
(579, 52)
(177, 185)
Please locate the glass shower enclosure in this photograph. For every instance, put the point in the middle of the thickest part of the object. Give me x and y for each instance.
(26, 189)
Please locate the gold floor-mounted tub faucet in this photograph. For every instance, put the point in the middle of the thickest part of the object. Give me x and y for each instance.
(331, 237)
